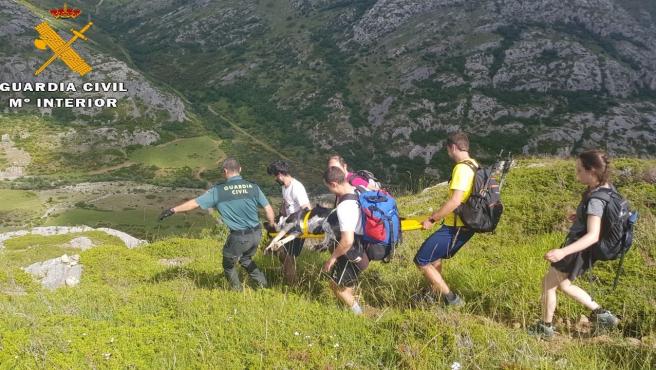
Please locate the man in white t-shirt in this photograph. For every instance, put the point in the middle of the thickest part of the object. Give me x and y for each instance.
(348, 259)
(294, 198)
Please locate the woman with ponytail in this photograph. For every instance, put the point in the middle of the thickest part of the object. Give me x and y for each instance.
(575, 257)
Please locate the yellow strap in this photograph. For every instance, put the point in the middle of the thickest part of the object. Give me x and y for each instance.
(308, 236)
(304, 226)
(408, 224)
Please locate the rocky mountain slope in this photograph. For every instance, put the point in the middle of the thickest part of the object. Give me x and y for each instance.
(383, 81)
(141, 113)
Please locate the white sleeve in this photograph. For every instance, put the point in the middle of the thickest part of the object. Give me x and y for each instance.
(348, 213)
(300, 195)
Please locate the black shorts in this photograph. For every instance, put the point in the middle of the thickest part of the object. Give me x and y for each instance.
(294, 247)
(575, 265)
(345, 272)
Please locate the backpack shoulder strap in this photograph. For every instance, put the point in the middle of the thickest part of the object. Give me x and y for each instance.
(470, 164)
(354, 197)
(602, 194)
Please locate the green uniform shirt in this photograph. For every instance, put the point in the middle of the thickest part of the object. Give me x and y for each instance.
(237, 200)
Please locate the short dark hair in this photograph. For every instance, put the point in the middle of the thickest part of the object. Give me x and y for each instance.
(459, 139)
(231, 164)
(334, 174)
(277, 167)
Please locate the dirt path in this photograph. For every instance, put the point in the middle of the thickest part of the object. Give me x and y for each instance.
(198, 172)
(245, 133)
(111, 168)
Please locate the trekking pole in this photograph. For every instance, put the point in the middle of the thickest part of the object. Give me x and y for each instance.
(505, 170)
(626, 244)
(493, 171)
(619, 271)
(591, 278)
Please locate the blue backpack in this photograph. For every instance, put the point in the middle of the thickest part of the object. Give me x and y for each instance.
(381, 223)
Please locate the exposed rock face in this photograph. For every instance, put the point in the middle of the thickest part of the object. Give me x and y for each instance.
(383, 81)
(174, 262)
(57, 272)
(142, 98)
(129, 240)
(65, 270)
(82, 243)
(587, 68)
(387, 16)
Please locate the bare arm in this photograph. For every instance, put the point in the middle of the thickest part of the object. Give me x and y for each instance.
(345, 243)
(591, 237)
(448, 207)
(270, 216)
(186, 206)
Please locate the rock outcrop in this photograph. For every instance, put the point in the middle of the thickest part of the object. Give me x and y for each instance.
(128, 240)
(57, 272)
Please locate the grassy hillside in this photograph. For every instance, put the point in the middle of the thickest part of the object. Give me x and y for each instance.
(200, 152)
(134, 309)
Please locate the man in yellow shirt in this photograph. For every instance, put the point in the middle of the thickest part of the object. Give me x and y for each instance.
(453, 234)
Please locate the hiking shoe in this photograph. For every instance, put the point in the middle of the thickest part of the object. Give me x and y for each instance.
(604, 320)
(542, 330)
(455, 302)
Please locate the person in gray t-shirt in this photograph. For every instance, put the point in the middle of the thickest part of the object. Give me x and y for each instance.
(593, 207)
(575, 257)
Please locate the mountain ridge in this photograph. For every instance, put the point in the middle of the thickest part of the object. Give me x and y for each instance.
(382, 81)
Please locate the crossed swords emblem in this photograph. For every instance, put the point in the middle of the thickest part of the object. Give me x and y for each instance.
(62, 50)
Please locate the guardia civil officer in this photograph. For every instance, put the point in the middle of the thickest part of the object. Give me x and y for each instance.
(237, 200)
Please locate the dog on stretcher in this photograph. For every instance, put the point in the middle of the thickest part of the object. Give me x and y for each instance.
(321, 220)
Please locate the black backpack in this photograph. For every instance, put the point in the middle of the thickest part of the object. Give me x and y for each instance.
(482, 210)
(616, 225)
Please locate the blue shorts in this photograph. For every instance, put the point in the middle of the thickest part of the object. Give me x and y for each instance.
(441, 244)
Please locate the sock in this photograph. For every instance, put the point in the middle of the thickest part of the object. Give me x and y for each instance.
(547, 324)
(598, 311)
(450, 296)
(356, 309)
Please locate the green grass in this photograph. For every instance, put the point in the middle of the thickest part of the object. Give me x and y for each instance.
(131, 311)
(127, 206)
(198, 152)
(25, 250)
(3, 161)
(12, 200)
(141, 222)
(18, 207)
